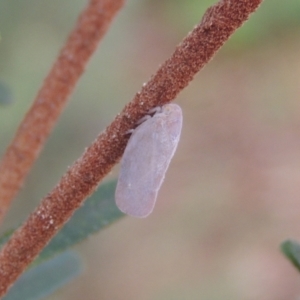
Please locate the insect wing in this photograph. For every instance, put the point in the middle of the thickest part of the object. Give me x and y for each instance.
(146, 159)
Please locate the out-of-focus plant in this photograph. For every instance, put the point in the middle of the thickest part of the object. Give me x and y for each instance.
(21, 247)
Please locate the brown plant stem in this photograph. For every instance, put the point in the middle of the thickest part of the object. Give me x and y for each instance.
(52, 97)
(218, 23)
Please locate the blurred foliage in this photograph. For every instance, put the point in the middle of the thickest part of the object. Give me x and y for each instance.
(45, 278)
(291, 249)
(273, 18)
(5, 94)
(142, 36)
(97, 212)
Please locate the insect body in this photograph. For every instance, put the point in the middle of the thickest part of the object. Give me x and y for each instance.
(146, 160)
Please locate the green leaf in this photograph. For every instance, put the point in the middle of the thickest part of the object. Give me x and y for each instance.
(42, 280)
(97, 212)
(5, 94)
(5, 236)
(291, 249)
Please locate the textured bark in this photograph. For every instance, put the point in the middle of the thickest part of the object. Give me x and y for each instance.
(218, 23)
(53, 96)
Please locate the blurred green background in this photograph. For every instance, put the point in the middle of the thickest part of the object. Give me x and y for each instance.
(231, 193)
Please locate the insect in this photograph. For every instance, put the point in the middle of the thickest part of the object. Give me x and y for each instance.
(146, 159)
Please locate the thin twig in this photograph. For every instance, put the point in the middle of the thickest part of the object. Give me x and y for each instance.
(52, 97)
(218, 23)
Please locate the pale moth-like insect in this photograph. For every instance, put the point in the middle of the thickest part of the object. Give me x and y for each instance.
(146, 159)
